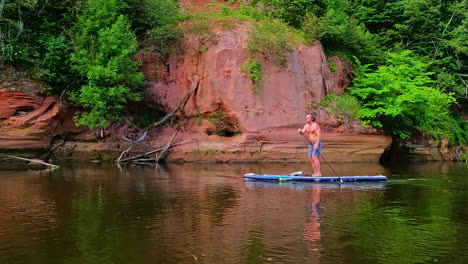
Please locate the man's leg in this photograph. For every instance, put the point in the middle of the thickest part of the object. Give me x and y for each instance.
(313, 166)
(316, 162)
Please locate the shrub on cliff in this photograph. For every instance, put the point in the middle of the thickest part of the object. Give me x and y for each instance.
(253, 68)
(270, 39)
(103, 45)
(342, 107)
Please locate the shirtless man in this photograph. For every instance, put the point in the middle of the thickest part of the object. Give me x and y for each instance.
(312, 131)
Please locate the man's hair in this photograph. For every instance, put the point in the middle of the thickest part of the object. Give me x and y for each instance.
(313, 116)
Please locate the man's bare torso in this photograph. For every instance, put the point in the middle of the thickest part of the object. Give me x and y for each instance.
(311, 131)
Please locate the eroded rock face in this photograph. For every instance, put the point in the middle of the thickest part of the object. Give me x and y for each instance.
(31, 121)
(268, 119)
(13, 102)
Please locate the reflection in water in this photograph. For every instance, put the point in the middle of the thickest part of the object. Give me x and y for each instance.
(312, 227)
(100, 213)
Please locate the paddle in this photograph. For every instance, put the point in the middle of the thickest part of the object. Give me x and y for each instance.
(325, 160)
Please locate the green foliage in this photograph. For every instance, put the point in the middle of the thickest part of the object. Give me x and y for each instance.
(293, 12)
(213, 118)
(33, 38)
(253, 68)
(244, 12)
(342, 107)
(344, 34)
(55, 64)
(311, 105)
(398, 97)
(332, 65)
(431, 28)
(200, 29)
(148, 116)
(156, 24)
(103, 46)
(313, 28)
(13, 36)
(270, 40)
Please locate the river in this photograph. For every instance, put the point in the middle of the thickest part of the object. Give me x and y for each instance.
(206, 213)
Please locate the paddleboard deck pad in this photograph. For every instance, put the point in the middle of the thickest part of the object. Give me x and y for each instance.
(308, 178)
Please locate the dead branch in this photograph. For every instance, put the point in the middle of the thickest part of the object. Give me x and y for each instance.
(180, 107)
(153, 151)
(163, 153)
(34, 161)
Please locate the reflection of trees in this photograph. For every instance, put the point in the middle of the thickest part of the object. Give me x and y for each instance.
(255, 247)
(108, 232)
(402, 232)
(96, 238)
(220, 200)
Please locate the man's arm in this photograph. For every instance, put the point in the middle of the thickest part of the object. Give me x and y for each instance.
(301, 131)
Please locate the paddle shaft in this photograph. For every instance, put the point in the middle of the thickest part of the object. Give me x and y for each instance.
(323, 158)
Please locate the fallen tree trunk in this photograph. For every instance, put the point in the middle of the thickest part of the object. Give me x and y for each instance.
(152, 152)
(180, 107)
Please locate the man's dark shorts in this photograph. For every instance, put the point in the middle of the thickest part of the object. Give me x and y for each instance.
(316, 152)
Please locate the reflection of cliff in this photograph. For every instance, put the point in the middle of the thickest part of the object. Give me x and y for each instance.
(26, 211)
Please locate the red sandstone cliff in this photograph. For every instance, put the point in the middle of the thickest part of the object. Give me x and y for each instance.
(267, 121)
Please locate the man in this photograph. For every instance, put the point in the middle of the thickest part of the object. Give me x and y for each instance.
(312, 131)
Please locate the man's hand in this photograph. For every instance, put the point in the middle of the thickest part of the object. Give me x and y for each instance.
(300, 131)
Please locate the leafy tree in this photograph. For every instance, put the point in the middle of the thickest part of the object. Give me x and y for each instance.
(399, 98)
(431, 28)
(103, 46)
(156, 24)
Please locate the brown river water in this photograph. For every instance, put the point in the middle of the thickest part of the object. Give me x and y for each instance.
(207, 213)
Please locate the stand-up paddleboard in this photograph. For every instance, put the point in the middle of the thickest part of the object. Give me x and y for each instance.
(308, 178)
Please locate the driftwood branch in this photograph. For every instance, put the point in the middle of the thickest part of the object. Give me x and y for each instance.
(34, 161)
(180, 107)
(152, 152)
(162, 155)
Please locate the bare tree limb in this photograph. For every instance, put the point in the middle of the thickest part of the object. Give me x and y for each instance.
(450, 20)
(153, 151)
(162, 155)
(180, 107)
